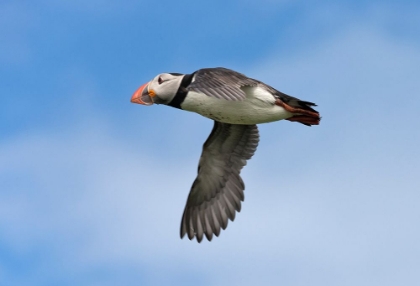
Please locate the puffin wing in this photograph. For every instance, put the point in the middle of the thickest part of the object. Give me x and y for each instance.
(221, 83)
(218, 190)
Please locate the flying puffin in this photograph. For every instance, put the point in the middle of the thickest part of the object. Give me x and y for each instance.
(236, 103)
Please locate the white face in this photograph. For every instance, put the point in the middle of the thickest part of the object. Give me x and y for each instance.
(164, 87)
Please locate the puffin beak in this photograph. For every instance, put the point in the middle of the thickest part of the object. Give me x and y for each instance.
(142, 96)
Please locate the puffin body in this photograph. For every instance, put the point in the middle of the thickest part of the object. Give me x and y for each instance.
(236, 103)
(257, 107)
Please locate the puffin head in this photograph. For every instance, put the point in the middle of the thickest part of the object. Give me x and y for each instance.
(160, 90)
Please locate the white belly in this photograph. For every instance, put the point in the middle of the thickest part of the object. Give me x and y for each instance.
(257, 107)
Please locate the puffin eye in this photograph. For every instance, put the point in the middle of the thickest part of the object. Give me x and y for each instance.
(160, 80)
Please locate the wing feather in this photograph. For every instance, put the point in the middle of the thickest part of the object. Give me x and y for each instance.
(221, 83)
(218, 190)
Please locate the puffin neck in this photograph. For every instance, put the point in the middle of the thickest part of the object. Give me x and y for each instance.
(182, 91)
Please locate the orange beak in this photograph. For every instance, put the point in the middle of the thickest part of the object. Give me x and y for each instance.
(142, 96)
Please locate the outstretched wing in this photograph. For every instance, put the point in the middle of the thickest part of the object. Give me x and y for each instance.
(221, 83)
(217, 191)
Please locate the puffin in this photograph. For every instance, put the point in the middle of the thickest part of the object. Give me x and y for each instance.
(237, 104)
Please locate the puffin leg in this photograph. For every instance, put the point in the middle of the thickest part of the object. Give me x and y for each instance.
(304, 119)
(300, 115)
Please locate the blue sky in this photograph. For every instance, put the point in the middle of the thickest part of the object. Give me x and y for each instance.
(92, 188)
